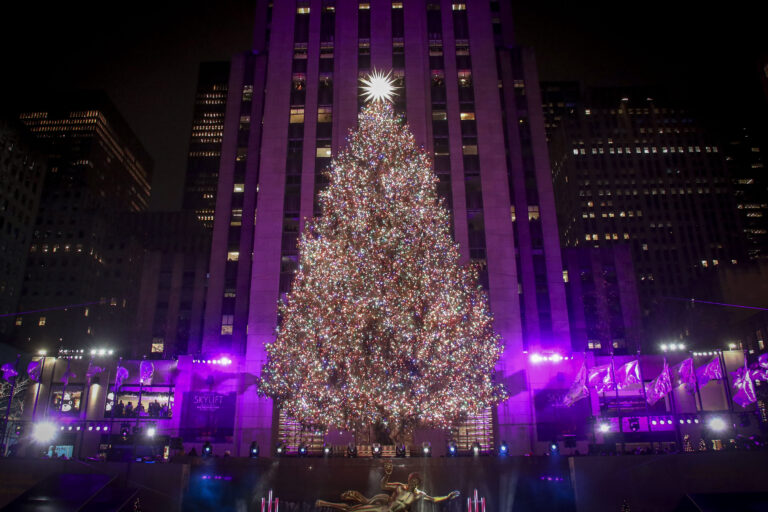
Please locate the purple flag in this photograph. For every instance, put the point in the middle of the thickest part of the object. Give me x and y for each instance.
(93, 370)
(120, 375)
(760, 368)
(578, 389)
(33, 370)
(146, 370)
(659, 387)
(710, 371)
(685, 374)
(9, 371)
(599, 378)
(628, 373)
(69, 374)
(744, 386)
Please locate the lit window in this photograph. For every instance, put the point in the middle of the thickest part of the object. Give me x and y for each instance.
(302, 10)
(397, 5)
(233, 255)
(467, 116)
(469, 149)
(226, 324)
(459, 6)
(86, 312)
(18, 321)
(323, 152)
(439, 115)
(297, 115)
(324, 114)
(40, 322)
(533, 212)
(242, 154)
(512, 213)
(158, 346)
(364, 5)
(565, 276)
(239, 188)
(247, 92)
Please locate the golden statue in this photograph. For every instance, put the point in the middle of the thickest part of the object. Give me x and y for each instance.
(400, 500)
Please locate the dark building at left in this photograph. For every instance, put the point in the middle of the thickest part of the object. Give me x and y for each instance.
(82, 275)
(22, 169)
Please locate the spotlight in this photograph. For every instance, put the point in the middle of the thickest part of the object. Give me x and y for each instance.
(634, 424)
(696, 420)
(717, 424)
(376, 449)
(207, 449)
(44, 432)
(476, 449)
(326, 450)
(125, 429)
(503, 448)
(280, 449)
(400, 450)
(351, 450)
(688, 421)
(604, 427)
(682, 421)
(18, 429)
(254, 451)
(302, 450)
(553, 448)
(654, 422)
(452, 449)
(426, 449)
(151, 431)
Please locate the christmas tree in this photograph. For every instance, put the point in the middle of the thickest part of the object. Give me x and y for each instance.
(382, 325)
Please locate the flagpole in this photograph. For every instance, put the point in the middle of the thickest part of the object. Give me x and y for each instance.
(65, 381)
(696, 383)
(726, 383)
(618, 403)
(645, 394)
(50, 387)
(10, 403)
(84, 413)
(114, 402)
(39, 385)
(673, 403)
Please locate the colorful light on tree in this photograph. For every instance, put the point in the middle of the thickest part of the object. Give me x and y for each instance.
(382, 326)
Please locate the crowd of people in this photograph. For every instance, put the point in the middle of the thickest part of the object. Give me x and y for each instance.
(153, 410)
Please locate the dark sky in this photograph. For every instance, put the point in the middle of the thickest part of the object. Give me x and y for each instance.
(145, 56)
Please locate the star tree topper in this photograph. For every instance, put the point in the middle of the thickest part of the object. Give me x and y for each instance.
(378, 86)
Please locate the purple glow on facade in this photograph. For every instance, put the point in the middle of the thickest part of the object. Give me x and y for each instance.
(548, 358)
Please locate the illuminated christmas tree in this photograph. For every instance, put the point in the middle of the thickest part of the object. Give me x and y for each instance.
(382, 326)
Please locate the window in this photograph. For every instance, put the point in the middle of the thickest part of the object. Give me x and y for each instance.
(18, 321)
(158, 345)
(297, 115)
(239, 188)
(233, 255)
(226, 324)
(467, 116)
(324, 114)
(323, 152)
(247, 92)
(533, 212)
(41, 322)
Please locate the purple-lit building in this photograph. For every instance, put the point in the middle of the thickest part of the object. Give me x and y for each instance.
(469, 94)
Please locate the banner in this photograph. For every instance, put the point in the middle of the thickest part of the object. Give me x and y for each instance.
(208, 416)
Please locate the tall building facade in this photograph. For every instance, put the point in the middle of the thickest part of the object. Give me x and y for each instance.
(22, 169)
(470, 96)
(174, 263)
(205, 141)
(82, 274)
(631, 169)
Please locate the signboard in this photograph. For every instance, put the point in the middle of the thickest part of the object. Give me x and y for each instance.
(208, 416)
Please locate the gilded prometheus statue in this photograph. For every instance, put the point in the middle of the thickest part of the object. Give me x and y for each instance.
(400, 500)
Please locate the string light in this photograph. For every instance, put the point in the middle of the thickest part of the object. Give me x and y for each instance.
(382, 324)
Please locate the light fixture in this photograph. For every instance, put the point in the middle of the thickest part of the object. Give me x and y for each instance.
(503, 448)
(280, 449)
(476, 449)
(326, 450)
(717, 424)
(351, 450)
(207, 449)
(604, 427)
(376, 449)
(453, 450)
(151, 431)
(302, 450)
(553, 448)
(400, 450)
(426, 449)
(44, 432)
(254, 451)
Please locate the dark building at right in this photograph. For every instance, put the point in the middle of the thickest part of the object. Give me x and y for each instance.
(634, 168)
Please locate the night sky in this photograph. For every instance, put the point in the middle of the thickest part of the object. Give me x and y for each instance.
(146, 56)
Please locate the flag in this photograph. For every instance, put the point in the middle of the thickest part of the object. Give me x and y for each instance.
(710, 371)
(659, 387)
(759, 370)
(684, 373)
(33, 370)
(9, 371)
(578, 389)
(744, 386)
(93, 370)
(599, 378)
(69, 374)
(146, 370)
(120, 375)
(628, 373)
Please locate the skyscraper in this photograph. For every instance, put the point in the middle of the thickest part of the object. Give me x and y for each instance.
(634, 168)
(469, 94)
(82, 265)
(22, 169)
(205, 141)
